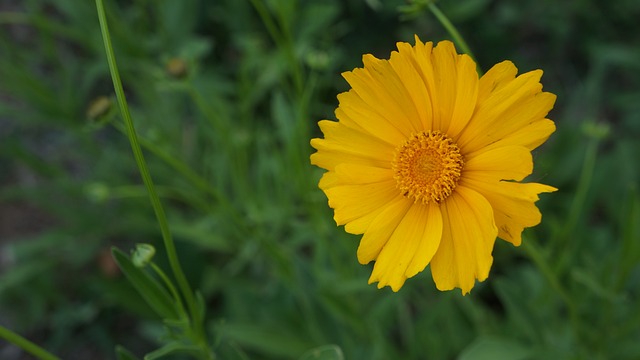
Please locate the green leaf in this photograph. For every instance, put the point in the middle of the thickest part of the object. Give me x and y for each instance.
(201, 233)
(265, 339)
(494, 348)
(325, 352)
(515, 302)
(172, 348)
(124, 354)
(200, 307)
(22, 274)
(155, 295)
(583, 277)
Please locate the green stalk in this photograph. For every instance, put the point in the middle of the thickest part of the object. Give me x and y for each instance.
(588, 168)
(283, 40)
(530, 247)
(26, 345)
(566, 247)
(169, 245)
(179, 166)
(629, 233)
(538, 258)
(169, 286)
(451, 29)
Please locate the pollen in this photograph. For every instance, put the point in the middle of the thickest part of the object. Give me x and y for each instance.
(427, 167)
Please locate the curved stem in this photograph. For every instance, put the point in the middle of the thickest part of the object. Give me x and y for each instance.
(26, 345)
(179, 166)
(178, 273)
(170, 286)
(451, 29)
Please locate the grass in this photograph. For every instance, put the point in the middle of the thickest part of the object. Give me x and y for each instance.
(227, 144)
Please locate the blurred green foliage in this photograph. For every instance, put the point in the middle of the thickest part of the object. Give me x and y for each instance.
(225, 96)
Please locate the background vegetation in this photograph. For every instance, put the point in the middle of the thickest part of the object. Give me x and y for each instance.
(225, 96)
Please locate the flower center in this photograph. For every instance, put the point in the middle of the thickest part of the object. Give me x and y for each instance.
(427, 167)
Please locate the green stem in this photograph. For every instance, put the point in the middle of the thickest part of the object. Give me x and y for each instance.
(298, 78)
(566, 248)
(26, 345)
(177, 165)
(170, 286)
(538, 258)
(629, 234)
(588, 168)
(215, 119)
(283, 40)
(181, 279)
(188, 173)
(165, 192)
(530, 247)
(451, 29)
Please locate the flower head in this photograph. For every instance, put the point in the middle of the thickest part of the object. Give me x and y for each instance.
(427, 160)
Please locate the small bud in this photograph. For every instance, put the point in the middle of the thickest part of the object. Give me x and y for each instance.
(142, 255)
(595, 130)
(97, 192)
(318, 60)
(99, 107)
(176, 68)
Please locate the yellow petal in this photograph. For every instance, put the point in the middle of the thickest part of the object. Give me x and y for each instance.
(465, 95)
(354, 112)
(329, 159)
(517, 104)
(423, 63)
(494, 79)
(524, 86)
(429, 242)
(343, 140)
(530, 136)
(360, 213)
(444, 58)
(503, 163)
(399, 251)
(377, 97)
(395, 89)
(361, 174)
(354, 174)
(340, 137)
(468, 235)
(328, 180)
(403, 63)
(361, 224)
(513, 205)
(351, 202)
(519, 115)
(381, 229)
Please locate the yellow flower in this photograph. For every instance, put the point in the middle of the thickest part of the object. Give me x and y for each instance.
(426, 161)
